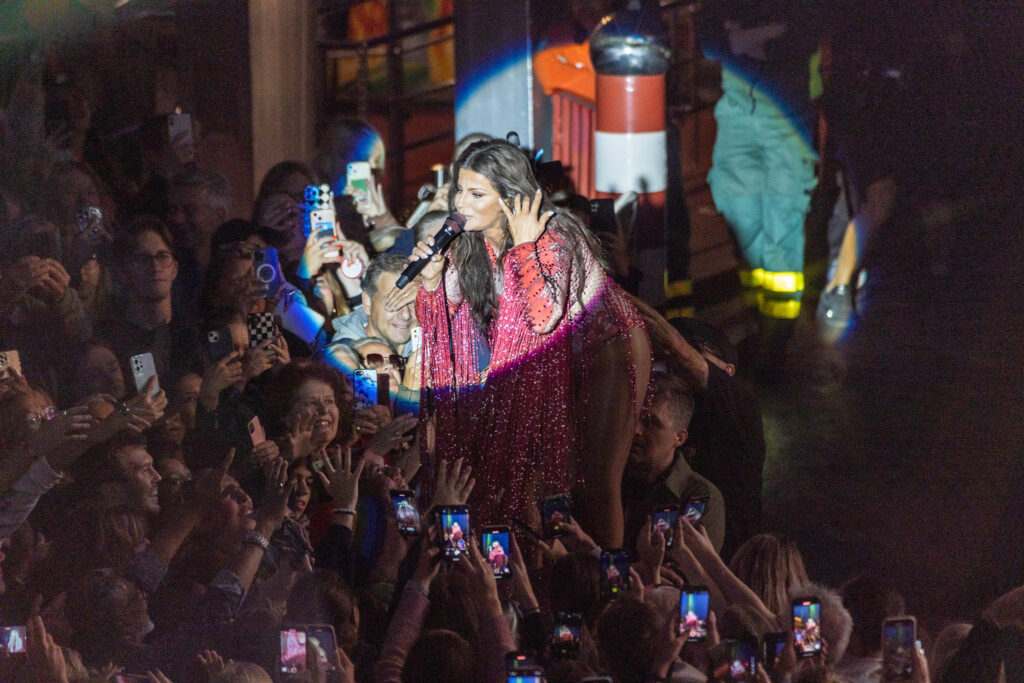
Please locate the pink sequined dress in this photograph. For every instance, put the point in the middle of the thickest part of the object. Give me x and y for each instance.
(553, 319)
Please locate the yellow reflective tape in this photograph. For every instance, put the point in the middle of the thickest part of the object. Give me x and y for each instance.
(752, 278)
(787, 310)
(678, 288)
(783, 282)
(684, 312)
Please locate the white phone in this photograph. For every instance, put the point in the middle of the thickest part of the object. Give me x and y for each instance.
(322, 221)
(415, 339)
(143, 368)
(359, 176)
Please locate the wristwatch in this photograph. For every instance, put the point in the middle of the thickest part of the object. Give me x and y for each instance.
(256, 538)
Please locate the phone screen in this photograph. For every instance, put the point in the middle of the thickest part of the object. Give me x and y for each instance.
(614, 573)
(12, 639)
(293, 651)
(807, 627)
(365, 385)
(554, 512)
(694, 510)
(602, 215)
(733, 660)
(408, 516)
(526, 676)
(454, 522)
(693, 613)
(664, 520)
(321, 639)
(565, 635)
(494, 542)
(898, 642)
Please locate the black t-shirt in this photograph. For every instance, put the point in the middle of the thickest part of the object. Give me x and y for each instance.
(174, 346)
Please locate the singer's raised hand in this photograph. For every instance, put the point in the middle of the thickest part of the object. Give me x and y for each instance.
(525, 220)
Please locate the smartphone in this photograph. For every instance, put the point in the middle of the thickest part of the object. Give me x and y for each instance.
(694, 510)
(495, 545)
(733, 660)
(408, 516)
(522, 668)
(318, 198)
(693, 613)
(86, 215)
(614, 573)
(292, 657)
(256, 433)
(565, 635)
(554, 512)
(268, 272)
(807, 627)
(178, 124)
(322, 223)
(10, 363)
(899, 638)
(261, 328)
(219, 344)
(320, 637)
(771, 650)
(143, 368)
(663, 519)
(365, 384)
(453, 526)
(358, 177)
(602, 216)
(415, 339)
(12, 640)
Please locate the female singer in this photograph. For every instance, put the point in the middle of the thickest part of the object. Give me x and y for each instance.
(523, 308)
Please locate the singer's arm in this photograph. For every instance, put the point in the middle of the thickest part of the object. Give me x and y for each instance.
(539, 271)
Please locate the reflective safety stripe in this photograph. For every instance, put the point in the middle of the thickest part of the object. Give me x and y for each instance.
(684, 312)
(787, 310)
(752, 278)
(783, 282)
(678, 288)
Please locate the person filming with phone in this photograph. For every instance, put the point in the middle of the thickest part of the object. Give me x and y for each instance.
(657, 473)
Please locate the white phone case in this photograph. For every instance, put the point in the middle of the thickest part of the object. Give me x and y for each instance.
(143, 368)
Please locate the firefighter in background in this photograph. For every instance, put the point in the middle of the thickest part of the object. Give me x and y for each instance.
(763, 164)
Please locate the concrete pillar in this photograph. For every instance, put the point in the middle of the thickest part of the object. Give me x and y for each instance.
(283, 58)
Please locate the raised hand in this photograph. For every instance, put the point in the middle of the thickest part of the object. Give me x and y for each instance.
(577, 540)
(147, 406)
(398, 299)
(275, 502)
(296, 443)
(340, 478)
(259, 359)
(453, 488)
(392, 436)
(650, 548)
(315, 253)
(525, 221)
(45, 658)
(218, 377)
(430, 276)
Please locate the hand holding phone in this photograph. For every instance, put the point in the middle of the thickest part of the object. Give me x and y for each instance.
(899, 639)
(452, 522)
(497, 549)
(693, 613)
(143, 369)
(663, 519)
(614, 573)
(408, 516)
(807, 626)
(555, 511)
(565, 635)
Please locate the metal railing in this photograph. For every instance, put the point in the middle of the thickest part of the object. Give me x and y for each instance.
(357, 96)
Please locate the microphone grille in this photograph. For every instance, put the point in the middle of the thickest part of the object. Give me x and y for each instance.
(456, 221)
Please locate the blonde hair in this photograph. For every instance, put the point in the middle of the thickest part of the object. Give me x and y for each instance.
(771, 565)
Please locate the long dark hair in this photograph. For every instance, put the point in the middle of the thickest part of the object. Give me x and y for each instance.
(509, 172)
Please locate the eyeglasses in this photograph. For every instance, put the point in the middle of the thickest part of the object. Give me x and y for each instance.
(375, 361)
(161, 259)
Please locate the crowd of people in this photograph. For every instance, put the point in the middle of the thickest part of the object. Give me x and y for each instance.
(234, 450)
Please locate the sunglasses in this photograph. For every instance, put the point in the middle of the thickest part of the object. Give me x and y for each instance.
(375, 361)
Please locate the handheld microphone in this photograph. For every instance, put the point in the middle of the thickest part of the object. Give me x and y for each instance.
(454, 226)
